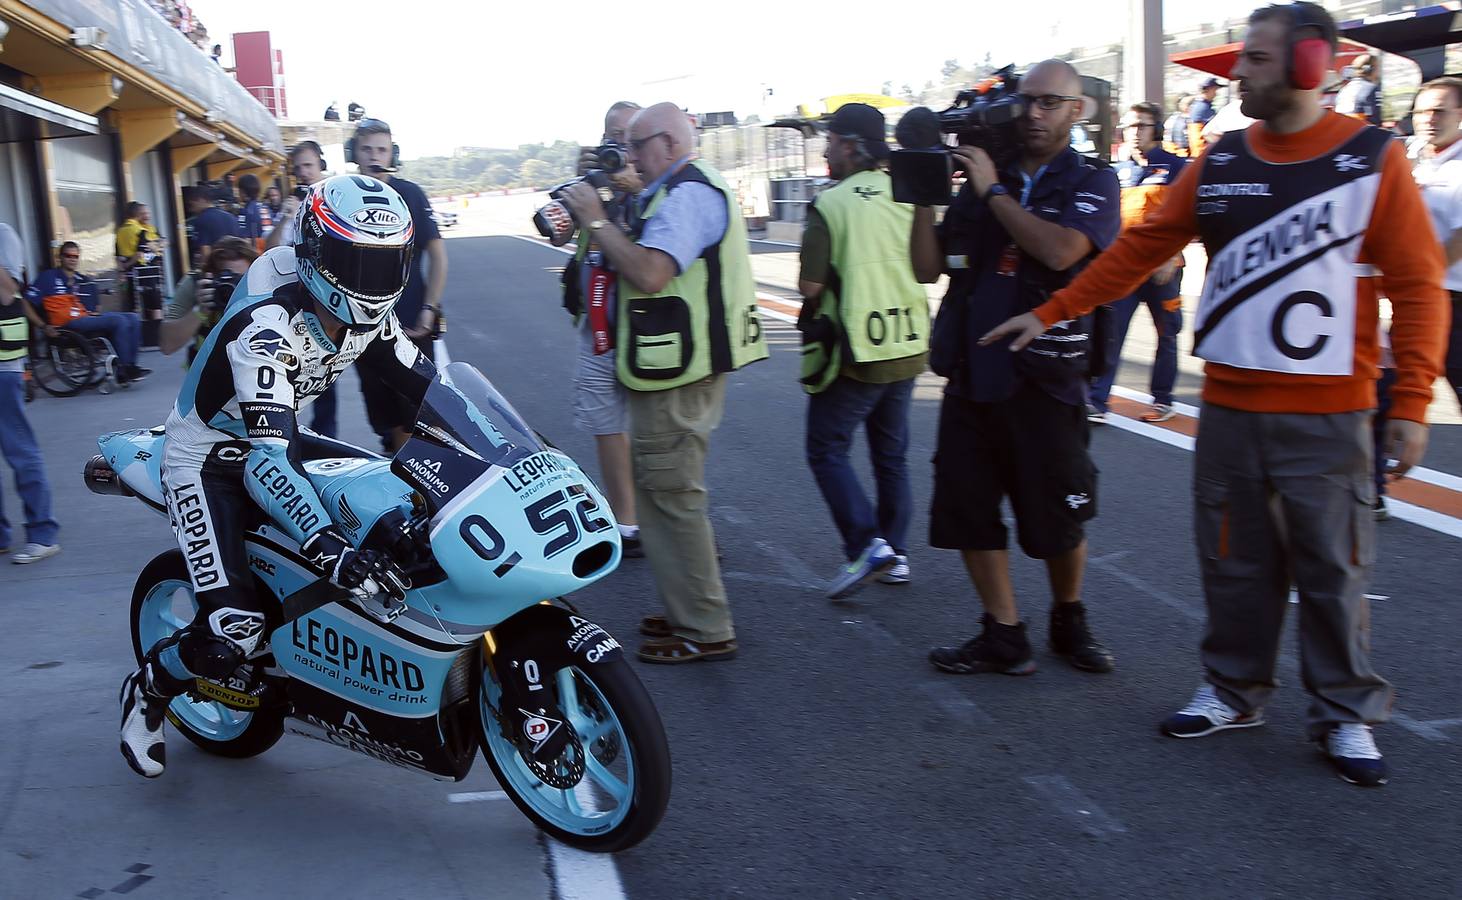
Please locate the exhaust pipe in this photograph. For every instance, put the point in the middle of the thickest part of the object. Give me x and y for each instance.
(101, 478)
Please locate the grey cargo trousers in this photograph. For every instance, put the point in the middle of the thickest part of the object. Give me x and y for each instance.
(1282, 498)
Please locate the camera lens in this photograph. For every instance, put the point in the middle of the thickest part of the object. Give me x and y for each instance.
(611, 157)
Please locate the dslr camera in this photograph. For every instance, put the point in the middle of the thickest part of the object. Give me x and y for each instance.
(985, 116)
(554, 221)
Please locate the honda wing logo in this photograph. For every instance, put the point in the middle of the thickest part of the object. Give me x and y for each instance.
(348, 518)
(1345, 162)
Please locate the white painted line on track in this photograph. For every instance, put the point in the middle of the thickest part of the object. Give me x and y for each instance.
(475, 796)
(1075, 805)
(579, 874)
(1431, 730)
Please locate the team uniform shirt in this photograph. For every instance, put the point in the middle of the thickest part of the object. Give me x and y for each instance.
(1440, 180)
(1144, 185)
(1200, 111)
(265, 361)
(211, 224)
(1000, 280)
(1290, 220)
(424, 222)
(131, 235)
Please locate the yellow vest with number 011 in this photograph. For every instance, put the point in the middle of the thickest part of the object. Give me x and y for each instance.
(880, 305)
(704, 321)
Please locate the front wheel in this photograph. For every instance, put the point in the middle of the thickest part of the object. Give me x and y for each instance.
(609, 788)
(162, 603)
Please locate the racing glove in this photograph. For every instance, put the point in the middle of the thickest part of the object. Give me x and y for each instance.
(364, 573)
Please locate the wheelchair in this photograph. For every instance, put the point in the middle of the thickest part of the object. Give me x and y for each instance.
(70, 362)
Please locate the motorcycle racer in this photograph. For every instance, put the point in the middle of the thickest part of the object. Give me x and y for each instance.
(302, 317)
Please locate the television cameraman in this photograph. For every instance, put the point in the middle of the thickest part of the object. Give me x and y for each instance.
(199, 298)
(687, 317)
(600, 405)
(1015, 425)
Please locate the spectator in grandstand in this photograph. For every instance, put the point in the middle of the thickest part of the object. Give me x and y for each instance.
(332, 114)
(1436, 154)
(60, 292)
(1145, 175)
(1360, 98)
(420, 308)
(354, 112)
(208, 221)
(17, 441)
(198, 300)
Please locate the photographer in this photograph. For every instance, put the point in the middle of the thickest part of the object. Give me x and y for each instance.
(199, 300)
(865, 327)
(589, 295)
(687, 317)
(1016, 425)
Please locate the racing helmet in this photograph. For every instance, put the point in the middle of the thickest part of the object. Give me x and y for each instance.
(353, 245)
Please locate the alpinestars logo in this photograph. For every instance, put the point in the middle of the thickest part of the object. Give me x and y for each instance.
(1077, 501)
(240, 626)
(348, 518)
(1346, 162)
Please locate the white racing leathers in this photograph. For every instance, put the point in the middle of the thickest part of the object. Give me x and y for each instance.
(233, 444)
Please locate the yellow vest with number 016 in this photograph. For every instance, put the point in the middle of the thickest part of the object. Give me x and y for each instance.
(881, 307)
(705, 321)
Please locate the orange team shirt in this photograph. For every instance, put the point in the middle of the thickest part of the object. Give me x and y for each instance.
(1401, 244)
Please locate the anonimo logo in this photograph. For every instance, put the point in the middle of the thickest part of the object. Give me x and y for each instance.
(376, 218)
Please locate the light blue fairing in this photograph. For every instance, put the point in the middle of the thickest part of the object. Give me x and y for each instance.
(511, 538)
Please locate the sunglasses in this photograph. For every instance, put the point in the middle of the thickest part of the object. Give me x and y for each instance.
(639, 143)
(1049, 101)
(71, 256)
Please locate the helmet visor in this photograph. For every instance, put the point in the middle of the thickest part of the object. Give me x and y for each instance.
(365, 271)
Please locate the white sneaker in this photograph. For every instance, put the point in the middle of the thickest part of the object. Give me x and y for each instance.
(1352, 749)
(877, 558)
(34, 552)
(898, 573)
(1205, 714)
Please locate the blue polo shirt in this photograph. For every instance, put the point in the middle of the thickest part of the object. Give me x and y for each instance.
(212, 224)
(997, 280)
(424, 224)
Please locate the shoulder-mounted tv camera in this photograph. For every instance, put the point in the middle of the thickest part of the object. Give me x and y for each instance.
(984, 116)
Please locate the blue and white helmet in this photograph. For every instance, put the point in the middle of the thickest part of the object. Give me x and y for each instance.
(353, 242)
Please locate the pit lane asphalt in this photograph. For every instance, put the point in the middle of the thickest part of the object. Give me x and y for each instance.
(828, 760)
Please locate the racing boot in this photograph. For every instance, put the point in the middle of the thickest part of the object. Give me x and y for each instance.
(143, 710)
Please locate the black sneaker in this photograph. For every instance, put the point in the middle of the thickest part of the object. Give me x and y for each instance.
(131, 374)
(997, 648)
(1071, 639)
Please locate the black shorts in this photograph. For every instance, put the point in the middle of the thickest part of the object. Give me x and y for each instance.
(1031, 448)
(385, 407)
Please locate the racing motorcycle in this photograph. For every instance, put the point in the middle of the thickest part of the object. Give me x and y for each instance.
(482, 653)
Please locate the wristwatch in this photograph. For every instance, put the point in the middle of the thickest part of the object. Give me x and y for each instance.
(598, 224)
(995, 190)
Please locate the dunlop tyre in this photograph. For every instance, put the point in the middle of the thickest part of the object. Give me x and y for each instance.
(265, 726)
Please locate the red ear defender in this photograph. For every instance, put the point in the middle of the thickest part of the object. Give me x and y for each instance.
(1308, 61)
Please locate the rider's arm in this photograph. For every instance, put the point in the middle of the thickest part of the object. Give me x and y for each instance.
(394, 357)
(262, 358)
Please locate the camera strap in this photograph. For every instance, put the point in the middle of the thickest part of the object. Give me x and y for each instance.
(601, 283)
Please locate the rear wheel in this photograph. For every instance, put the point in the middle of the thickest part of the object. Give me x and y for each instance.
(162, 603)
(609, 788)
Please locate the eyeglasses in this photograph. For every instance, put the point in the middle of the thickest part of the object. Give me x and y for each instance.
(1126, 125)
(638, 143)
(1049, 101)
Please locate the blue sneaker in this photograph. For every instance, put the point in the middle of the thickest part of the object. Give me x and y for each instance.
(1351, 749)
(878, 557)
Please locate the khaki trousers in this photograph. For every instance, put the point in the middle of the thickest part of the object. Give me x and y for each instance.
(1284, 498)
(670, 432)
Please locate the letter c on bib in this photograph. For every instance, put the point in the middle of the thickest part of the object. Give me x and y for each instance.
(1281, 313)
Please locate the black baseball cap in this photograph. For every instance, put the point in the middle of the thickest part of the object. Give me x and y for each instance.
(1210, 82)
(859, 120)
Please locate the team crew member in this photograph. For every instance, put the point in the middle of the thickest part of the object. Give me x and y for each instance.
(600, 401)
(308, 313)
(1145, 176)
(861, 359)
(69, 300)
(1437, 155)
(687, 316)
(420, 307)
(208, 221)
(1016, 426)
(1282, 480)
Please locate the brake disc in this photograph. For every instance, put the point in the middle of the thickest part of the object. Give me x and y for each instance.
(563, 772)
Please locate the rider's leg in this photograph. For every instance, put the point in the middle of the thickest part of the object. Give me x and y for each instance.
(208, 507)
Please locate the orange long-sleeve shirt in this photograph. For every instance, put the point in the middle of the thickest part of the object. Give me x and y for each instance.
(1399, 242)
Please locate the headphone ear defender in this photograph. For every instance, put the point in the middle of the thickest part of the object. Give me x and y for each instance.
(350, 151)
(1308, 61)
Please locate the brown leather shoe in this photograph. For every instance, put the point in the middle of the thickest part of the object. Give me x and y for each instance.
(655, 626)
(676, 649)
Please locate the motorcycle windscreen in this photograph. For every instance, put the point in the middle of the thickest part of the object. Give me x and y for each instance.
(464, 427)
